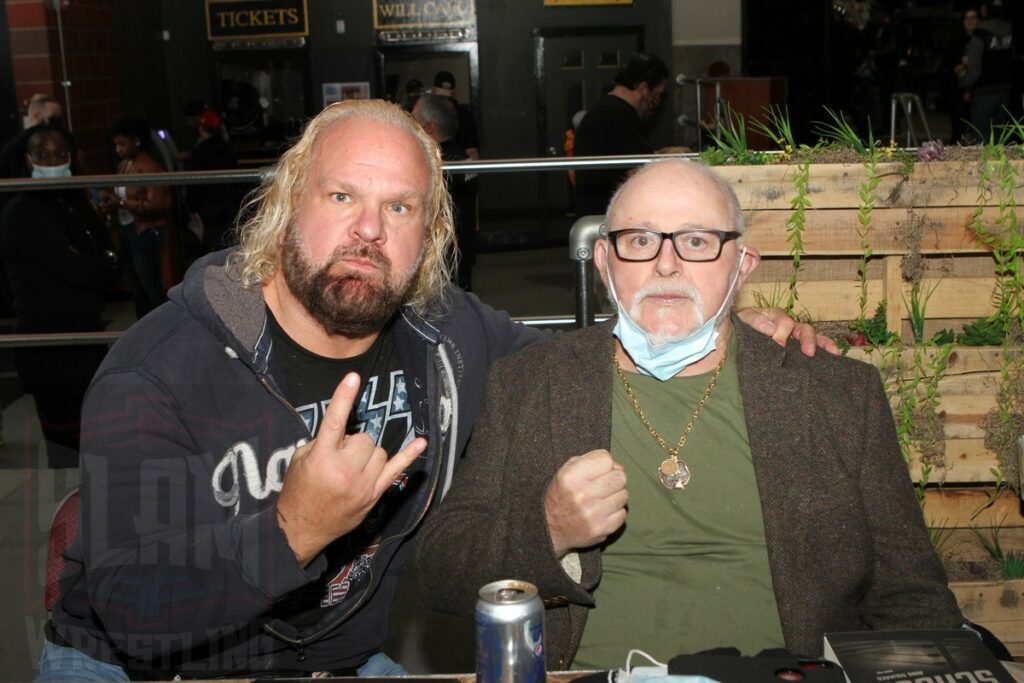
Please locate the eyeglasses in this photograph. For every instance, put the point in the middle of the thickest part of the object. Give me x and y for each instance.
(634, 244)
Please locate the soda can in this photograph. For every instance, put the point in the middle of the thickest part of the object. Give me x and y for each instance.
(509, 633)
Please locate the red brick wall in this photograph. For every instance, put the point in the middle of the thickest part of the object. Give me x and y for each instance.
(89, 45)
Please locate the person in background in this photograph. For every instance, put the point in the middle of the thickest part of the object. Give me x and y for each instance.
(440, 120)
(988, 72)
(959, 98)
(469, 139)
(614, 125)
(143, 213)
(211, 208)
(192, 111)
(59, 263)
(41, 109)
(413, 90)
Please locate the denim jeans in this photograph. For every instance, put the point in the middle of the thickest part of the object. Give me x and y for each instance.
(60, 663)
(381, 665)
(140, 252)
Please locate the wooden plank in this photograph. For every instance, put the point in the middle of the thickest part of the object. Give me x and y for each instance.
(959, 508)
(996, 605)
(962, 360)
(834, 231)
(839, 300)
(967, 462)
(962, 544)
(836, 186)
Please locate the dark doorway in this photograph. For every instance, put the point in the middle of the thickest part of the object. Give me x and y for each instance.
(574, 67)
(399, 66)
(266, 100)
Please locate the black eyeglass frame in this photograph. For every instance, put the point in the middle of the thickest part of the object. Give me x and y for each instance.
(723, 237)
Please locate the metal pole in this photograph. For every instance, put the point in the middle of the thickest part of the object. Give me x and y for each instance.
(892, 117)
(700, 114)
(63, 67)
(719, 109)
(584, 277)
(585, 231)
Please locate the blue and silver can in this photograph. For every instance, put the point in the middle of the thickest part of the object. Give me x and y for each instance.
(509, 633)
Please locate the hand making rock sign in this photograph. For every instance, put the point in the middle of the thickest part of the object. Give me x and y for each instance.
(335, 480)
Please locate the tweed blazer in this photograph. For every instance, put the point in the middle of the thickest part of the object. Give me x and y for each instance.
(847, 545)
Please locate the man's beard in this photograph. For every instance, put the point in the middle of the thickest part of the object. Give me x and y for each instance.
(657, 288)
(351, 304)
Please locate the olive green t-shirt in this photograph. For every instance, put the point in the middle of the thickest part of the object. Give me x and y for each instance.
(689, 570)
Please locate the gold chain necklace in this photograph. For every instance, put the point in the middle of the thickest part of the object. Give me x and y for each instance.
(673, 472)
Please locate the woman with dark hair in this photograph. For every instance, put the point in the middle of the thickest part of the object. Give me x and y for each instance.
(143, 212)
(59, 262)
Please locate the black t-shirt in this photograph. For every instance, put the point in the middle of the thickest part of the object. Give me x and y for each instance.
(611, 126)
(308, 381)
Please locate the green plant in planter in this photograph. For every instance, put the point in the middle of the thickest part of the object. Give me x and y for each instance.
(988, 331)
(732, 147)
(1005, 423)
(838, 131)
(873, 331)
(1011, 563)
(997, 178)
(941, 535)
(916, 308)
(778, 128)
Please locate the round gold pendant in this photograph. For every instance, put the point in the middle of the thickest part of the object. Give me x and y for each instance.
(674, 474)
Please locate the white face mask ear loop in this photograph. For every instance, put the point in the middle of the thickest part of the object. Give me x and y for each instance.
(649, 658)
(626, 675)
(727, 303)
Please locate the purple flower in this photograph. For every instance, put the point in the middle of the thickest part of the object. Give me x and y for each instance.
(931, 150)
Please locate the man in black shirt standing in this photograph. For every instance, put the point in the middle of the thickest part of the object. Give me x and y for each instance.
(614, 125)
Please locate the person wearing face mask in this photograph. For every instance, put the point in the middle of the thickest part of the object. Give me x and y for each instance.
(41, 110)
(672, 480)
(59, 263)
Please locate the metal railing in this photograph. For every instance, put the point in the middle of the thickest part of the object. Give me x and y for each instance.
(581, 240)
(257, 175)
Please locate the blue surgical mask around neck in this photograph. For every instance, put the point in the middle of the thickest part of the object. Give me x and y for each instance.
(665, 361)
(62, 171)
(658, 673)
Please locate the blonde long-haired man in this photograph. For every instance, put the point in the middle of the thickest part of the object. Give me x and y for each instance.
(258, 452)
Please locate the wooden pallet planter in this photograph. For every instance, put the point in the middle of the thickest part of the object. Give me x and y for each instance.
(998, 606)
(925, 214)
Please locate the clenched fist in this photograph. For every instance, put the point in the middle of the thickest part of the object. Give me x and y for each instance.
(585, 501)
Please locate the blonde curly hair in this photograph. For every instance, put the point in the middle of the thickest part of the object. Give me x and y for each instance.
(270, 208)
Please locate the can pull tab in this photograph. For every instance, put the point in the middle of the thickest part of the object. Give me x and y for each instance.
(509, 594)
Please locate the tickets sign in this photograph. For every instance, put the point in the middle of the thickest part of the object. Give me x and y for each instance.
(248, 19)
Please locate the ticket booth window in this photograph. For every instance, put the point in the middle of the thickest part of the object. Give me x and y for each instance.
(265, 104)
